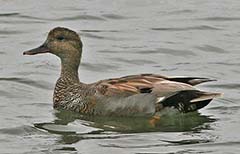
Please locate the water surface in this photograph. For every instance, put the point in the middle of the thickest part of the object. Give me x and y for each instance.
(193, 38)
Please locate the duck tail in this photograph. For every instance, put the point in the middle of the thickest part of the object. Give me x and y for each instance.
(191, 80)
(189, 100)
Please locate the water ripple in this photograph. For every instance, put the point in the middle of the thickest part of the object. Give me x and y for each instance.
(10, 32)
(67, 149)
(21, 22)
(220, 18)
(134, 61)
(226, 108)
(226, 86)
(109, 51)
(185, 11)
(210, 48)
(21, 130)
(93, 36)
(8, 14)
(71, 128)
(169, 51)
(37, 84)
(189, 141)
(113, 16)
(30, 17)
(99, 67)
(19, 16)
(98, 31)
(80, 17)
(133, 146)
(225, 63)
(90, 35)
(201, 27)
(72, 18)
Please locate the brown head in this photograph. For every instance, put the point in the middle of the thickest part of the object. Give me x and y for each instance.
(62, 42)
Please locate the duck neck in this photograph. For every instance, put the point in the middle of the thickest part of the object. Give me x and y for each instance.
(69, 70)
(69, 77)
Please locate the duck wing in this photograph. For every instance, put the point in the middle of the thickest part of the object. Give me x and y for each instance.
(128, 85)
(147, 83)
(184, 79)
(176, 92)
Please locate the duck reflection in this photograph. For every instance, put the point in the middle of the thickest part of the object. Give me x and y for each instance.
(168, 123)
(74, 127)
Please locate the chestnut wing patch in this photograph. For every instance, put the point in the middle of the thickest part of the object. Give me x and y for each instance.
(129, 85)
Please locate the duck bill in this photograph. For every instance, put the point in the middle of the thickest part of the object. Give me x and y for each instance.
(41, 49)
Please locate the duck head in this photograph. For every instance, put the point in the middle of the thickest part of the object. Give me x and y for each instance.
(62, 42)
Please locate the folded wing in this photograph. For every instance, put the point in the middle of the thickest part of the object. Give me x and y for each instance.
(177, 92)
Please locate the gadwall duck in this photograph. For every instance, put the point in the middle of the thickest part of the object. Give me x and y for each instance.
(134, 95)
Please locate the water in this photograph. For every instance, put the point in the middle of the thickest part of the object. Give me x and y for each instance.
(194, 38)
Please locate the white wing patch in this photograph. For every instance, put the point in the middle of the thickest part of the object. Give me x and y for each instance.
(159, 99)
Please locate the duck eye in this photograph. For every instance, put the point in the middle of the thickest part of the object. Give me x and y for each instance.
(60, 38)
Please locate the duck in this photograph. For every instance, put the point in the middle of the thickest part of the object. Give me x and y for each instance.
(134, 95)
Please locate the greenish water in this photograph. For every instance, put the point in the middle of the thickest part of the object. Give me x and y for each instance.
(181, 38)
